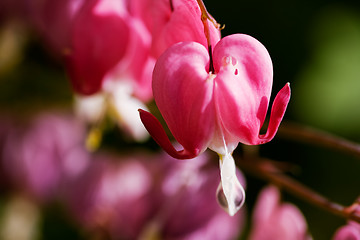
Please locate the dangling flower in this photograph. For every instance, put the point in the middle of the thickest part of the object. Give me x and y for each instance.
(216, 103)
(276, 220)
(352, 229)
(110, 67)
(349, 231)
(99, 39)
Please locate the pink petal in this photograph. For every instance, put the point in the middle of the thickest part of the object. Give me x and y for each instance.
(159, 135)
(183, 91)
(99, 41)
(267, 203)
(277, 113)
(242, 90)
(348, 232)
(136, 65)
(182, 24)
(273, 219)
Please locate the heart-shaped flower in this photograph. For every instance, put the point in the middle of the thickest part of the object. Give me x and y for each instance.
(216, 102)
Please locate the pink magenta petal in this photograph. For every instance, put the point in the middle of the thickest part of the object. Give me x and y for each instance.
(243, 85)
(273, 219)
(182, 23)
(224, 106)
(277, 113)
(98, 42)
(183, 91)
(349, 231)
(159, 135)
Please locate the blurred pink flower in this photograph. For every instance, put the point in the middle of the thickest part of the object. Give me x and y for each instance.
(109, 55)
(42, 157)
(189, 188)
(217, 108)
(351, 231)
(106, 46)
(139, 197)
(53, 21)
(273, 220)
(99, 39)
(106, 52)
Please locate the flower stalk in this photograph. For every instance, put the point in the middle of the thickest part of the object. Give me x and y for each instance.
(313, 136)
(205, 16)
(171, 5)
(266, 170)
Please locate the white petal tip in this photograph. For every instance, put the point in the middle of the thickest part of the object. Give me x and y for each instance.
(230, 194)
(234, 204)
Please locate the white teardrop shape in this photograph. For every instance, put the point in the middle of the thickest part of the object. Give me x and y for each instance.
(230, 193)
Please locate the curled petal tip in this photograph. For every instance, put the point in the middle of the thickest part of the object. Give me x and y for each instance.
(277, 113)
(157, 132)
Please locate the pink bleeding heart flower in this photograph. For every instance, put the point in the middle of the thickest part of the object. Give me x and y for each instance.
(349, 231)
(273, 219)
(216, 103)
(352, 229)
(99, 39)
(108, 59)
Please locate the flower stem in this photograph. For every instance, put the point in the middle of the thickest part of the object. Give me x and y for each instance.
(266, 170)
(205, 16)
(313, 136)
(171, 5)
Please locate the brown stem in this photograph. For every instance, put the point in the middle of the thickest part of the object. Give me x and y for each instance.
(171, 5)
(205, 16)
(264, 169)
(313, 136)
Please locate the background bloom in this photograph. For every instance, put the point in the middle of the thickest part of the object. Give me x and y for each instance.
(152, 194)
(273, 219)
(40, 158)
(350, 231)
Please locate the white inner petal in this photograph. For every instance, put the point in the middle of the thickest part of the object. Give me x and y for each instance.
(230, 193)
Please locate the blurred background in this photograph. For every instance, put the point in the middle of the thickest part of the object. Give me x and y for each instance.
(314, 45)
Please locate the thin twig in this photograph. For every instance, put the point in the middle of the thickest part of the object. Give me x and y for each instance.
(265, 169)
(313, 136)
(205, 15)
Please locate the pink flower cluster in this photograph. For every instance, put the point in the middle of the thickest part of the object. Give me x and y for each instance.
(212, 92)
(109, 49)
(135, 196)
(107, 40)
